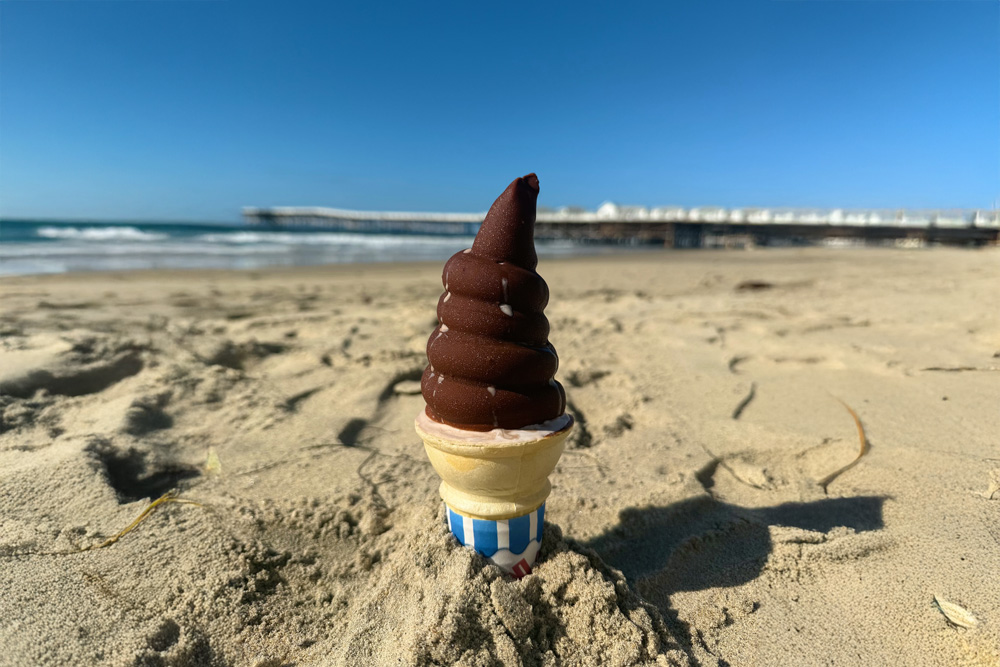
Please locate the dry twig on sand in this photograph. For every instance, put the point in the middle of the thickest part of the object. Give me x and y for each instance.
(168, 497)
(741, 406)
(960, 369)
(826, 481)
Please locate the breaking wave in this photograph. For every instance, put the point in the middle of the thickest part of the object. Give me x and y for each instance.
(116, 233)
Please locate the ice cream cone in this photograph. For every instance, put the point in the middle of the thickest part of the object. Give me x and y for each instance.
(495, 483)
(495, 422)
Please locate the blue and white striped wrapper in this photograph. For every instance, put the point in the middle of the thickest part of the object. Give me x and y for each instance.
(512, 544)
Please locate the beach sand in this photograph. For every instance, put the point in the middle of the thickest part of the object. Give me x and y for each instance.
(690, 521)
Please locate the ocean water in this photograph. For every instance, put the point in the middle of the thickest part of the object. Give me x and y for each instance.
(29, 247)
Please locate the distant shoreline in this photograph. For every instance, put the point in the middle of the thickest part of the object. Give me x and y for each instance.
(64, 247)
(37, 247)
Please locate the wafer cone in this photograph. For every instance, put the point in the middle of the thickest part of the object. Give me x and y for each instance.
(495, 486)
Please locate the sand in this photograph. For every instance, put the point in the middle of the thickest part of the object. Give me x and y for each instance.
(687, 525)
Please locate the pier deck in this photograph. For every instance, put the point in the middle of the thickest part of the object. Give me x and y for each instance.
(673, 227)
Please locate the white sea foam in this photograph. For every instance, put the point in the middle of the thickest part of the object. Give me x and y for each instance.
(333, 238)
(99, 234)
(54, 248)
(130, 249)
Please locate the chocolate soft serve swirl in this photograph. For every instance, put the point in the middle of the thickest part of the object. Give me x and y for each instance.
(491, 363)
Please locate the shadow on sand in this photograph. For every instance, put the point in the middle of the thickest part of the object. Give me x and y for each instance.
(722, 544)
(703, 543)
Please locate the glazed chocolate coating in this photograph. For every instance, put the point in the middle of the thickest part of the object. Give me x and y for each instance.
(491, 363)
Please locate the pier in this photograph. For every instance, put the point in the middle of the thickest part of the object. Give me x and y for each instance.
(673, 227)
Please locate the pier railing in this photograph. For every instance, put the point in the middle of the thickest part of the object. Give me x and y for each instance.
(672, 226)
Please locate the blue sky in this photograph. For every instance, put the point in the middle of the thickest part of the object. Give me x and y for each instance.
(189, 110)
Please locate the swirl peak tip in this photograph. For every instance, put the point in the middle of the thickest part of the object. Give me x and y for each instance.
(532, 181)
(508, 232)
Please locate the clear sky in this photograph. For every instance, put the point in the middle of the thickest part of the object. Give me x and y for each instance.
(192, 109)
